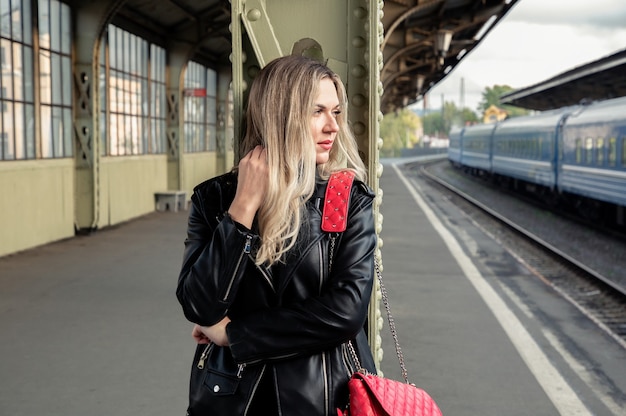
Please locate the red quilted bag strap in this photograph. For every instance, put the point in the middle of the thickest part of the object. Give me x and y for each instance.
(336, 200)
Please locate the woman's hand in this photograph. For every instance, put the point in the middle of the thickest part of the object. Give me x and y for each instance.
(251, 185)
(214, 333)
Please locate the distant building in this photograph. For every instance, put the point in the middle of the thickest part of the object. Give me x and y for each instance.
(494, 114)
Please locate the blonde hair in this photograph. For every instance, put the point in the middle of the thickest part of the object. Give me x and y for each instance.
(278, 115)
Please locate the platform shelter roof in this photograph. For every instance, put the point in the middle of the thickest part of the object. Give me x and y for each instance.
(602, 79)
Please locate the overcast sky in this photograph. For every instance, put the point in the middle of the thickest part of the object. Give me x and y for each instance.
(537, 40)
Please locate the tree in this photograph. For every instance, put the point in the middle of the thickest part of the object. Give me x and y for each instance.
(399, 130)
(439, 123)
(491, 96)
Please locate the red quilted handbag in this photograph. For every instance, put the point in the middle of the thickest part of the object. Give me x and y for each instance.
(371, 395)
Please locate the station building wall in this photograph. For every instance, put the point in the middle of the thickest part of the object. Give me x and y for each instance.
(43, 180)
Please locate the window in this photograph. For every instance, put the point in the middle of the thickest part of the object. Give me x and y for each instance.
(600, 151)
(579, 151)
(158, 112)
(55, 79)
(588, 151)
(17, 116)
(134, 99)
(612, 151)
(200, 108)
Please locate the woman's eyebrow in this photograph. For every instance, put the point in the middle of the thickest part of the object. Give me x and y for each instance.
(323, 107)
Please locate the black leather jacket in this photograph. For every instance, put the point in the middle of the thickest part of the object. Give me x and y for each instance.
(291, 321)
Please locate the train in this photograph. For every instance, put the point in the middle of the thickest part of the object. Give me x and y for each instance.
(571, 158)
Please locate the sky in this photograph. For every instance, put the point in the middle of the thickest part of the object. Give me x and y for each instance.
(535, 41)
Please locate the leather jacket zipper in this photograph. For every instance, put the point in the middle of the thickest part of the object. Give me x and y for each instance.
(246, 250)
(204, 356)
(278, 358)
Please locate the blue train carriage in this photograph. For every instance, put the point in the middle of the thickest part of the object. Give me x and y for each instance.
(454, 146)
(476, 149)
(592, 172)
(524, 149)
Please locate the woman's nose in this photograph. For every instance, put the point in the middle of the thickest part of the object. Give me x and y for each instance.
(331, 124)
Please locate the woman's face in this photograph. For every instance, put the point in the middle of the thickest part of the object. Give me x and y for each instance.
(324, 125)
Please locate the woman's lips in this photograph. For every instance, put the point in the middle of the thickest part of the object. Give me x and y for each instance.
(326, 145)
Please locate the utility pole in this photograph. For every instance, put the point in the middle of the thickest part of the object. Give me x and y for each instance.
(462, 100)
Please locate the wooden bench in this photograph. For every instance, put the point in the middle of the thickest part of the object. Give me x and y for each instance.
(170, 200)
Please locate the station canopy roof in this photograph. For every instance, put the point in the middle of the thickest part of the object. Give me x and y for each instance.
(598, 80)
(423, 39)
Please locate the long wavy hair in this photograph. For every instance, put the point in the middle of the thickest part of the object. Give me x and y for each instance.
(278, 117)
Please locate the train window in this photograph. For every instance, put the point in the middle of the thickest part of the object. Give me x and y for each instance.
(623, 150)
(579, 150)
(588, 150)
(600, 151)
(612, 151)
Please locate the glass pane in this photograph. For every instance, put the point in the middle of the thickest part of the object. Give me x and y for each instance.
(16, 18)
(67, 80)
(7, 62)
(588, 150)
(113, 81)
(20, 132)
(125, 52)
(103, 134)
(112, 47)
(145, 97)
(57, 98)
(211, 83)
(44, 25)
(27, 23)
(211, 110)
(145, 135)
(55, 26)
(46, 131)
(28, 75)
(45, 86)
(132, 54)
(29, 122)
(18, 71)
(612, 151)
(66, 24)
(8, 135)
(5, 18)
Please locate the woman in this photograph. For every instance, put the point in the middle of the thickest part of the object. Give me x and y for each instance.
(275, 311)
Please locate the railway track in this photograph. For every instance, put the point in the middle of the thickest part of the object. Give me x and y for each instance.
(601, 297)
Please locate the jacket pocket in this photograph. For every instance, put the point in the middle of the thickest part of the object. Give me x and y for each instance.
(218, 385)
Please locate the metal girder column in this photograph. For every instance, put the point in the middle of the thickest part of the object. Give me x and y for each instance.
(178, 59)
(89, 21)
(346, 34)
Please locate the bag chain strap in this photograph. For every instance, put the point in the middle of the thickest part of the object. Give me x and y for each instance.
(392, 323)
(392, 328)
(390, 320)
